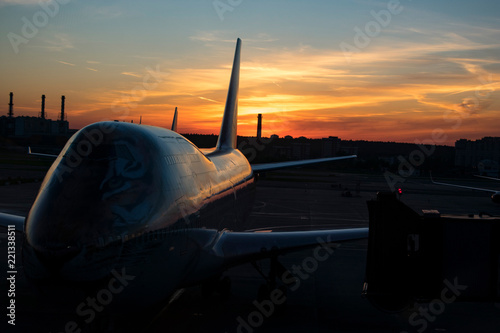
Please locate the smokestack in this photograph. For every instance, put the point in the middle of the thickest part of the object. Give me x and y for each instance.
(11, 106)
(62, 107)
(259, 126)
(43, 107)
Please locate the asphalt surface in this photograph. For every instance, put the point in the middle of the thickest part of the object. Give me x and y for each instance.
(328, 298)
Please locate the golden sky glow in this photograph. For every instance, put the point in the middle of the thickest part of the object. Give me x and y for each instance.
(418, 74)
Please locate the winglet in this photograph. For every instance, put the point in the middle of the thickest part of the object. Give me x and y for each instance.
(174, 122)
(227, 136)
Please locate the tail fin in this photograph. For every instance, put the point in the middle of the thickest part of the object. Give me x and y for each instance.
(227, 136)
(174, 122)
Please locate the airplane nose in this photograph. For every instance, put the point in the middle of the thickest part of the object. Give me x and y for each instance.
(104, 186)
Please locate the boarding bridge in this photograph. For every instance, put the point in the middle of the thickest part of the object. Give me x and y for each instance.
(422, 257)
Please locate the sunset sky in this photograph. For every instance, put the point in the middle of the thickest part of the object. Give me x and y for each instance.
(356, 69)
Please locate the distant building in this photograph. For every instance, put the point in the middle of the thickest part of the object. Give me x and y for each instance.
(301, 151)
(483, 154)
(28, 126)
(25, 126)
(7, 126)
(349, 150)
(330, 147)
(281, 152)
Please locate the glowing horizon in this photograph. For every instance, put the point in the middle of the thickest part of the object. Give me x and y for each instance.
(425, 69)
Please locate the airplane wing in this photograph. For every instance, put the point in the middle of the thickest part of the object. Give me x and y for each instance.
(39, 154)
(237, 247)
(283, 165)
(15, 220)
(486, 177)
(466, 187)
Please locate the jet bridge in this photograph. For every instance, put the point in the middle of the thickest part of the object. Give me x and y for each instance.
(423, 257)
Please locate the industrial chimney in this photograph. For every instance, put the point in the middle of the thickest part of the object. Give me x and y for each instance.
(42, 115)
(259, 126)
(11, 106)
(62, 107)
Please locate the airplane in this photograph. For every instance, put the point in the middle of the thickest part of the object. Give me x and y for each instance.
(495, 197)
(142, 205)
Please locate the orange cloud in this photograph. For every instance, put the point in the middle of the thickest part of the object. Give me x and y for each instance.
(401, 95)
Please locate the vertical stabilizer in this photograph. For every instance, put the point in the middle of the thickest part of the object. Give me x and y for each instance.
(227, 136)
(174, 122)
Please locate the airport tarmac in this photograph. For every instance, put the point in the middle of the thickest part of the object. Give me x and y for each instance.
(328, 298)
